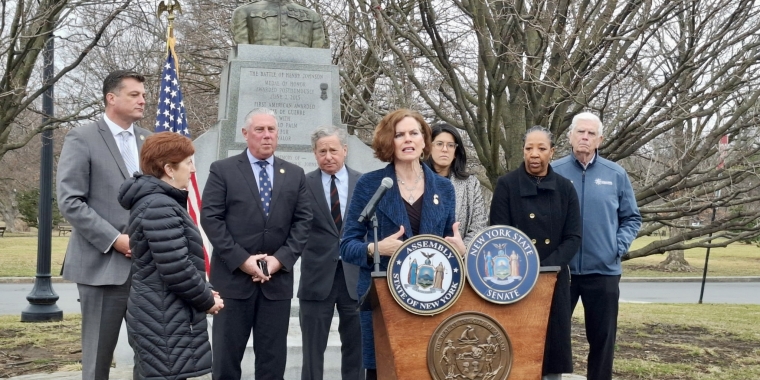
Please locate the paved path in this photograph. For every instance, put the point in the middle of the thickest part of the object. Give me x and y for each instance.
(688, 292)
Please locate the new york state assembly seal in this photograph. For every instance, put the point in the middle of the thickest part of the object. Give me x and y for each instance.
(426, 275)
(469, 345)
(502, 264)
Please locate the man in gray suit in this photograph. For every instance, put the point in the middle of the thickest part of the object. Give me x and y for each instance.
(95, 161)
(326, 281)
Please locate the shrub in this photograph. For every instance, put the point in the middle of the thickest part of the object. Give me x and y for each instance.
(28, 207)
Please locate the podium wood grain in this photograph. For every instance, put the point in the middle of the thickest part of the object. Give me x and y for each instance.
(401, 338)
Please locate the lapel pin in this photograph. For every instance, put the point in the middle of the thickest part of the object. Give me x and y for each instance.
(435, 198)
(142, 137)
(282, 171)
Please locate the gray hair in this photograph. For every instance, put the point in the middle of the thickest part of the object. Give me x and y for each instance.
(327, 131)
(588, 116)
(260, 111)
(538, 128)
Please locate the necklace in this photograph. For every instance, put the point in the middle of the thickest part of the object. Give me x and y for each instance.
(537, 179)
(410, 190)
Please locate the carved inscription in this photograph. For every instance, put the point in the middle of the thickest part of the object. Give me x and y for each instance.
(296, 97)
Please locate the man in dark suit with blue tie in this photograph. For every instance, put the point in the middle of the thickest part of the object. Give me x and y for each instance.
(255, 207)
(326, 281)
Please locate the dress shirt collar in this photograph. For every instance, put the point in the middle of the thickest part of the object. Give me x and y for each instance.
(115, 129)
(589, 161)
(342, 176)
(254, 160)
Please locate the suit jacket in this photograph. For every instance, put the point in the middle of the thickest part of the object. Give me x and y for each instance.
(90, 172)
(438, 216)
(320, 257)
(234, 221)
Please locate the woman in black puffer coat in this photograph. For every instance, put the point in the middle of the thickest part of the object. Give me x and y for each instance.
(169, 297)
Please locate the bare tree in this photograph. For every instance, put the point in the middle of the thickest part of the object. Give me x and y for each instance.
(24, 28)
(669, 79)
(79, 28)
(19, 172)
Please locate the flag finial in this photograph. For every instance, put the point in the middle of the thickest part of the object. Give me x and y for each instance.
(169, 6)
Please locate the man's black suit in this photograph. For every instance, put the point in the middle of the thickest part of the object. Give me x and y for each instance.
(234, 220)
(327, 282)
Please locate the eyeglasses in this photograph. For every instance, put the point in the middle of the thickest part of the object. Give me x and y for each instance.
(441, 144)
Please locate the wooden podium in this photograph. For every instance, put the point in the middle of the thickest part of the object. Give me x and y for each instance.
(401, 338)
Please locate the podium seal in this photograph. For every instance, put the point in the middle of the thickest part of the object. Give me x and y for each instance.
(425, 275)
(502, 264)
(469, 345)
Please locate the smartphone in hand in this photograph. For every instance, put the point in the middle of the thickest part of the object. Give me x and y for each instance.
(263, 267)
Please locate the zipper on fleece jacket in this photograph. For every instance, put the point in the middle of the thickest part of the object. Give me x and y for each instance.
(583, 202)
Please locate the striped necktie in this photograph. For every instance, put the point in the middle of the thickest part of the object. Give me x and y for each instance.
(126, 153)
(335, 204)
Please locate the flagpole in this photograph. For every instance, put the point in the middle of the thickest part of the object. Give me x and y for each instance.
(171, 115)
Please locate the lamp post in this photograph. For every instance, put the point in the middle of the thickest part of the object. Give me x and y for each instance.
(42, 299)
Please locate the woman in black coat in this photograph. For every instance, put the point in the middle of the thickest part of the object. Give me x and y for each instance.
(544, 205)
(169, 297)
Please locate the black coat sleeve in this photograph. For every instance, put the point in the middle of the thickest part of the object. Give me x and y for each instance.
(214, 219)
(500, 208)
(164, 229)
(571, 231)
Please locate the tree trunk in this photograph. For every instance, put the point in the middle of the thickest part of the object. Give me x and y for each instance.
(675, 262)
(8, 209)
(9, 217)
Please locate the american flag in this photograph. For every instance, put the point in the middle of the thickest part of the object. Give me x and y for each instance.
(170, 116)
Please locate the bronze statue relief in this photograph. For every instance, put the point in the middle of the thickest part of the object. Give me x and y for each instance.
(278, 22)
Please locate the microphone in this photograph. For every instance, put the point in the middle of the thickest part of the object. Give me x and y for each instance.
(386, 184)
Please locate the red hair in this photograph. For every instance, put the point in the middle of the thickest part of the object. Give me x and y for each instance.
(385, 132)
(164, 148)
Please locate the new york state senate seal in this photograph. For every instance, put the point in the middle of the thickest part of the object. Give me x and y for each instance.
(502, 264)
(425, 275)
(469, 345)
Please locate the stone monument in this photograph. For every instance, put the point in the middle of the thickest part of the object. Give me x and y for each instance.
(300, 84)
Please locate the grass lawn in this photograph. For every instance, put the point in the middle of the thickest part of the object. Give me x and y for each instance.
(39, 347)
(737, 259)
(681, 341)
(18, 255)
(18, 258)
(655, 341)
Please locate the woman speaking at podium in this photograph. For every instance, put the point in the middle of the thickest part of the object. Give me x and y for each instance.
(417, 202)
(544, 205)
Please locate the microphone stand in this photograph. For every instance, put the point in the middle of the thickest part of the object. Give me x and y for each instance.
(376, 256)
